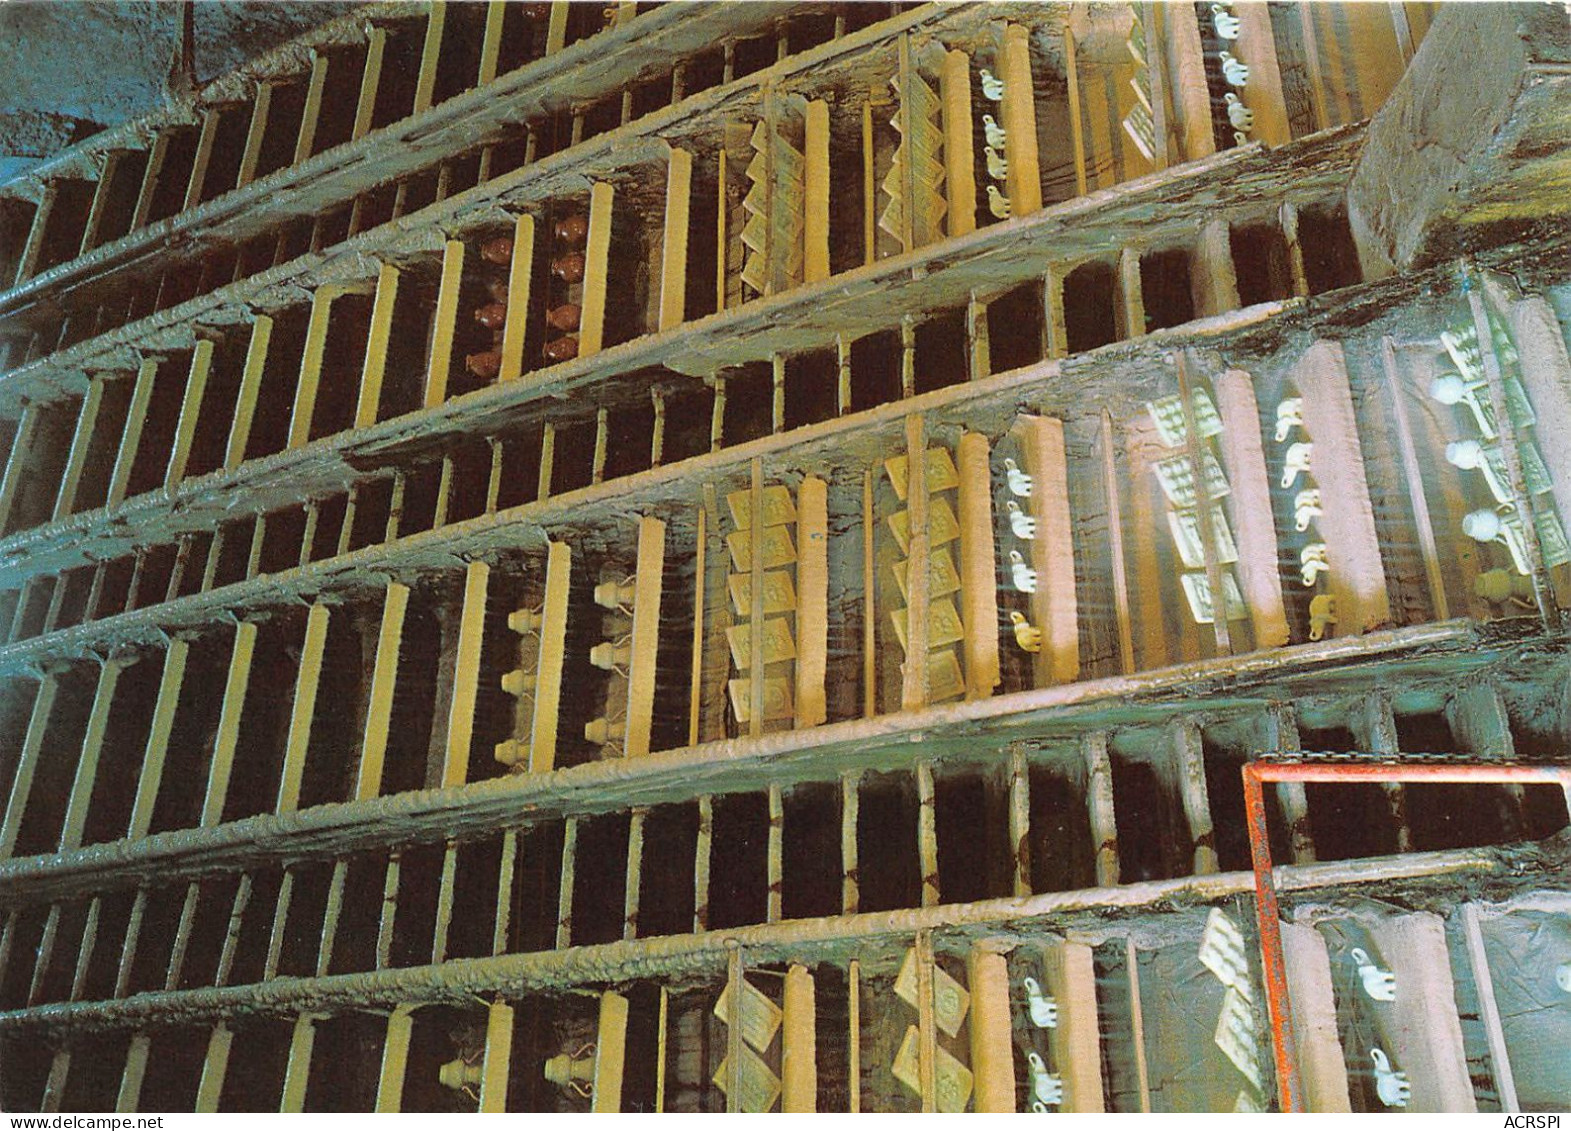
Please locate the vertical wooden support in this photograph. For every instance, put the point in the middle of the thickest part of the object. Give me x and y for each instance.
(1151, 16)
(395, 1059)
(1374, 728)
(95, 212)
(1137, 1022)
(1130, 307)
(632, 889)
(591, 324)
(850, 884)
(1422, 1027)
(466, 675)
(444, 904)
(308, 677)
(556, 27)
(927, 834)
(335, 905)
(297, 1073)
(869, 186)
(610, 1053)
(133, 933)
(553, 643)
(1477, 716)
(215, 1066)
(913, 687)
(979, 354)
(812, 601)
(84, 954)
(1489, 1009)
(129, 1096)
(815, 221)
(275, 937)
(16, 464)
(370, 82)
(700, 576)
(720, 230)
(673, 245)
(978, 585)
(54, 1083)
(498, 1057)
(1099, 799)
(1215, 280)
(190, 410)
(869, 604)
(1412, 471)
(368, 405)
(81, 441)
(251, 155)
(1076, 128)
(1321, 1059)
(1020, 819)
(1019, 111)
(735, 981)
(228, 736)
(502, 929)
(1254, 530)
(311, 363)
(430, 55)
(388, 921)
(564, 897)
(775, 854)
(1054, 607)
(1287, 217)
(954, 88)
(992, 1040)
(706, 837)
(27, 266)
(305, 140)
(646, 635)
(1263, 94)
(1191, 96)
(1188, 752)
(1357, 578)
(799, 1045)
(1546, 378)
(250, 390)
(1100, 114)
(519, 275)
(491, 42)
(384, 679)
(44, 953)
(157, 153)
(445, 323)
(755, 554)
(226, 956)
(927, 1035)
(1282, 736)
(75, 822)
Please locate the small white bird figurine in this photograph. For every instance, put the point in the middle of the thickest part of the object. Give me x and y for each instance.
(992, 87)
(1306, 508)
(1240, 115)
(1019, 481)
(1027, 635)
(1289, 415)
(1379, 983)
(1225, 22)
(994, 131)
(997, 203)
(1314, 561)
(1043, 1009)
(1298, 459)
(1391, 1086)
(1024, 575)
(1322, 615)
(1046, 1087)
(997, 167)
(1235, 72)
(1021, 523)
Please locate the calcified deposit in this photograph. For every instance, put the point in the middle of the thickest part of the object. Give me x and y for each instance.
(734, 557)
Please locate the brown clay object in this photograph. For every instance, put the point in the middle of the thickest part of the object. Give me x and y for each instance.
(562, 349)
(572, 229)
(492, 316)
(484, 365)
(569, 268)
(564, 317)
(497, 249)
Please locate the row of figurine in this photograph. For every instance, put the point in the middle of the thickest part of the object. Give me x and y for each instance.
(1313, 557)
(567, 266)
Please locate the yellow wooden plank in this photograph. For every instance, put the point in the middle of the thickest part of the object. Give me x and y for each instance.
(1054, 607)
(564, 894)
(250, 390)
(430, 56)
(444, 904)
(701, 862)
(812, 601)
(954, 86)
(466, 675)
(95, 213)
(775, 854)
(370, 82)
(1099, 801)
(632, 889)
(395, 1059)
(16, 464)
(446, 322)
(297, 1073)
(384, 678)
(81, 441)
(553, 649)
(720, 231)
(1115, 526)
(311, 364)
(556, 27)
(54, 1083)
(1076, 128)
(252, 153)
(610, 1053)
(129, 1096)
(308, 678)
(696, 681)
(799, 1043)
(992, 1042)
(519, 275)
(228, 736)
(190, 412)
(913, 688)
(44, 953)
(498, 1057)
(215, 1065)
(27, 265)
(305, 140)
(27, 763)
(979, 589)
(850, 805)
(491, 42)
(927, 834)
(591, 326)
(369, 403)
(673, 247)
(275, 937)
(646, 635)
(81, 795)
(815, 230)
(1069, 978)
(157, 153)
(204, 156)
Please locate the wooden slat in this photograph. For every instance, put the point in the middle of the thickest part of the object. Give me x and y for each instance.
(388, 920)
(379, 707)
(927, 834)
(1184, 737)
(1137, 1026)
(44, 954)
(869, 604)
(815, 230)
(75, 823)
(632, 889)
(250, 390)
(721, 217)
(81, 442)
(498, 1058)
(1076, 126)
(211, 118)
(182, 943)
(564, 897)
(95, 213)
(673, 244)
(1115, 526)
(775, 854)
(445, 323)
(913, 684)
(84, 954)
(1422, 1029)
(799, 1043)
(156, 752)
(27, 265)
(133, 936)
(370, 82)
(1020, 819)
(1099, 800)
(591, 325)
(430, 56)
(129, 1096)
(1321, 1060)
(305, 140)
(275, 937)
(215, 1066)
(395, 1059)
(646, 635)
(978, 586)
(1489, 1009)
(308, 677)
(1069, 978)
(812, 601)
(157, 153)
(228, 736)
(735, 983)
(16, 464)
(237, 910)
(1282, 736)
(369, 403)
(1256, 45)
(491, 41)
(556, 27)
(992, 1039)
(466, 676)
(755, 557)
(706, 826)
(190, 411)
(1054, 606)
(954, 85)
(501, 932)
(1254, 529)
(1019, 112)
(251, 155)
(519, 274)
(854, 1035)
(927, 1030)
(444, 904)
(700, 579)
(297, 1073)
(553, 651)
(54, 1083)
(311, 364)
(610, 1053)
(1191, 96)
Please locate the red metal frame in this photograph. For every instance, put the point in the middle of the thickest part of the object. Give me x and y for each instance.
(1267, 917)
